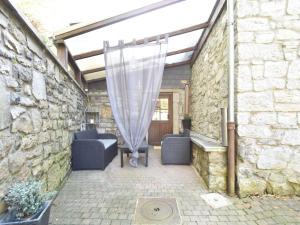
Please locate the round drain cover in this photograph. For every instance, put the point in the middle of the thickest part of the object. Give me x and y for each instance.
(156, 210)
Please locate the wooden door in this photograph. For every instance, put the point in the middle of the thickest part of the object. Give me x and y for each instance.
(162, 121)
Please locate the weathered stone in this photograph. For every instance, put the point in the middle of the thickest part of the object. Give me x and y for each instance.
(254, 131)
(287, 120)
(37, 152)
(251, 186)
(11, 82)
(276, 69)
(264, 118)
(251, 51)
(291, 137)
(39, 86)
(3, 20)
(293, 7)
(288, 96)
(29, 141)
(245, 37)
(5, 119)
(269, 84)
(285, 34)
(16, 111)
(294, 69)
(247, 8)
(262, 101)
(4, 173)
(273, 8)
(16, 161)
(264, 37)
(26, 101)
(36, 120)
(23, 124)
(257, 71)
(21, 72)
(275, 158)
(279, 188)
(253, 24)
(11, 43)
(54, 177)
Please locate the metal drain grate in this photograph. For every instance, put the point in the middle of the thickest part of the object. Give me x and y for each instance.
(157, 211)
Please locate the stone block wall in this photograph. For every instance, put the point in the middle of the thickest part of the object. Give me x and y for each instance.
(99, 103)
(211, 166)
(40, 107)
(209, 83)
(268, 96)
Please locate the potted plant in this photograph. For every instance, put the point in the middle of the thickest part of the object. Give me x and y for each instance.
(186, 122)
(27, 204)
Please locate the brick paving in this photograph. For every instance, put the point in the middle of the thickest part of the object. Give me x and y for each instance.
(109, 197)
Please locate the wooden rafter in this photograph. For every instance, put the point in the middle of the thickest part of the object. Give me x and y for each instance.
(141, 41)
(166, 66)
(84, 28)
(220, 4)
(168, 54)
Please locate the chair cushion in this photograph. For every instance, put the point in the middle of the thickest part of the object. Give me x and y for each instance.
(107, 142)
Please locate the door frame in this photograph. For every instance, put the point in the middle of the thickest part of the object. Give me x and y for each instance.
(170, 121)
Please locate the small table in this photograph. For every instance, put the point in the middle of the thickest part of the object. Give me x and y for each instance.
(144, 148)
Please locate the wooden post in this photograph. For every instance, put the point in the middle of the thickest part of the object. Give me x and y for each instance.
(186, 95)
(62, 54)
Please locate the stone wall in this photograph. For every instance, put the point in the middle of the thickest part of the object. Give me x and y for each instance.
(40, 107)
(209, 83)
(268, 96)
(211, 166)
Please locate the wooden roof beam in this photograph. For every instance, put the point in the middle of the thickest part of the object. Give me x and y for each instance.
(166, 66)
(168, 54)
(82, 28)
(150, 39)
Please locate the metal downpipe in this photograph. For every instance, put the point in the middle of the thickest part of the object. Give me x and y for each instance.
(231, 99)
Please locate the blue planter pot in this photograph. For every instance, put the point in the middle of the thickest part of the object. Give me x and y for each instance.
(40, 218)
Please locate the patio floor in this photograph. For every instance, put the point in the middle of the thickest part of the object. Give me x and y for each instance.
(109, 197)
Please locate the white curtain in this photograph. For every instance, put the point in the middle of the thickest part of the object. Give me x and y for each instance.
(133, 77)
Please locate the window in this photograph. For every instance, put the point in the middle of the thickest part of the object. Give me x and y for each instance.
(161, 112)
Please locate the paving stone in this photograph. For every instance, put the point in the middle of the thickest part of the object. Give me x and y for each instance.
(109, 197)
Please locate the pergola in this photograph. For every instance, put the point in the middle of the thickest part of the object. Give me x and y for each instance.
(80, 46)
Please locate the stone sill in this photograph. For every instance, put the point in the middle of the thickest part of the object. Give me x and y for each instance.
(206, 143)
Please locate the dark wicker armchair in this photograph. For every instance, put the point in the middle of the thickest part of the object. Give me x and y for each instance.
(91, 150)
(176, 149)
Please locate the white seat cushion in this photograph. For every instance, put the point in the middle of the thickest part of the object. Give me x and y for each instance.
(107, 142)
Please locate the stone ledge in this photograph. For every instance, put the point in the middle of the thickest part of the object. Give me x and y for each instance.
(206, 143)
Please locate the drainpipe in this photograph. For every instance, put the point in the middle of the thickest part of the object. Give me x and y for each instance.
(231, 121)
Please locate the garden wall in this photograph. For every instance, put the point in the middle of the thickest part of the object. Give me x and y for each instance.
(268, 96)
(40, 107)
(209, 82)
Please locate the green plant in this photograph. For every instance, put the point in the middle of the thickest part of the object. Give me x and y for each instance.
(26, 198)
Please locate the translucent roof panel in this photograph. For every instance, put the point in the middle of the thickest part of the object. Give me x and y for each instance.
(183, 41)
(174, 17)
(96, 75)
(91, 62)
(178, 58)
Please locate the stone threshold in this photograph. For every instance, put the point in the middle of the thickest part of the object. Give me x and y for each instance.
(206, 144)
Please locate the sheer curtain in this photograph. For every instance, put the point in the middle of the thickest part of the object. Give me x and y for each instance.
(133, 77)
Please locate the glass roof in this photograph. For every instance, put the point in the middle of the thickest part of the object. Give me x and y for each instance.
(181, 15)
(174, 43)
(165, 20)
